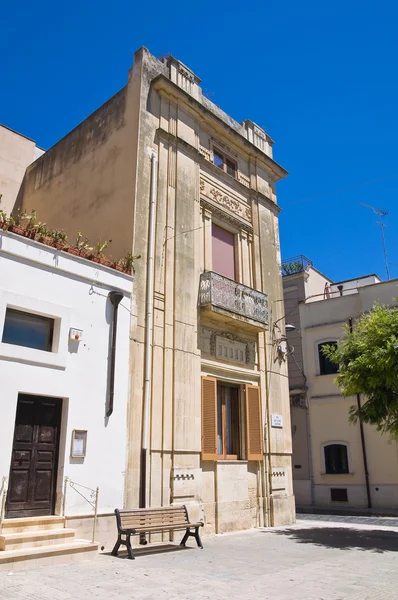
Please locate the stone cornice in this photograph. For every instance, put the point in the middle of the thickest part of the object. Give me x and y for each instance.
(162, 83)
(225, 216)
(248, 192)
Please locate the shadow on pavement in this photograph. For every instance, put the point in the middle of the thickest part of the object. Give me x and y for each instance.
(152, 549)
(344, 538)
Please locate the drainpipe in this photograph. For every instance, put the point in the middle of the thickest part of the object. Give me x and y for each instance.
(148, 334)
(364, 457)
(309, 444)
(115, 298)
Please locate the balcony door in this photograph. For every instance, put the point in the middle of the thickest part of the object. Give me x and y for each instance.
(223, 252)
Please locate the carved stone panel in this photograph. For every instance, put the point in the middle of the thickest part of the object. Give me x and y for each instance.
(278, 479)
(227, 201)
(208, 344)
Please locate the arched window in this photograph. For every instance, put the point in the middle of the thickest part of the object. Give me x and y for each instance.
(326, 366)
(336, 459)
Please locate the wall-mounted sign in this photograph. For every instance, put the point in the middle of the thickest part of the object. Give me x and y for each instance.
(75, 335)
(276, 420)
(79, 443)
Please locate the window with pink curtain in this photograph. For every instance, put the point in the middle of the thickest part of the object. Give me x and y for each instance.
(223, 252)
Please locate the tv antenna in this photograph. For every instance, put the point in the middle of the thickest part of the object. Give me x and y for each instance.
(380, 213)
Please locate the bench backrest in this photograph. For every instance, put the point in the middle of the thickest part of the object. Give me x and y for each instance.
(166, 515)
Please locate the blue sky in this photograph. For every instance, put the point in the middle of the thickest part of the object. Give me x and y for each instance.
(320, 77)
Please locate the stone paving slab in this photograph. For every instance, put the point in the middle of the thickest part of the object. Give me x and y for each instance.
(385, 521)
(312, 560)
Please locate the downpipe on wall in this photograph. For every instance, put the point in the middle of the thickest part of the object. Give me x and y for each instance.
(148, 335)
(115, 298)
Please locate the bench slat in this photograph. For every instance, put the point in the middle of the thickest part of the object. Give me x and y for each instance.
(165, 509)
(165, 527)
(158, 517)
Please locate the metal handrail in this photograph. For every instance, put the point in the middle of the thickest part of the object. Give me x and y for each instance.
(93, 502)
(3, 492)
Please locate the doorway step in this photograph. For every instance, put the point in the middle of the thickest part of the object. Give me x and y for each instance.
(35, 541)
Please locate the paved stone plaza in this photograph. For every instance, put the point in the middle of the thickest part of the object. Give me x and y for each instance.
(319, 558)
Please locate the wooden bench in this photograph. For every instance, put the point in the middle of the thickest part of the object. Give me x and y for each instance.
(153, 520)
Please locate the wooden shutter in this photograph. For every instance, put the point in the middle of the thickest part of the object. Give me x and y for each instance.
(209, 418)
(254, 423)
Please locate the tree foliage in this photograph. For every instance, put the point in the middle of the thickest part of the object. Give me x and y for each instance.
(368, 365)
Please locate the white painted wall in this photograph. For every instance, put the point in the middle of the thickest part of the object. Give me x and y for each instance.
(74, 291)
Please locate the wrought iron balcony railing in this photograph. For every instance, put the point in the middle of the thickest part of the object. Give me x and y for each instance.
(218, 291)
(295, 264)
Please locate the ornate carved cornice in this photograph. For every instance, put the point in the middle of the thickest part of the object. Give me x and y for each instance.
(225, 216)
(162, 83)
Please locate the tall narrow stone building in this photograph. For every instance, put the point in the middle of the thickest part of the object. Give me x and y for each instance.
(167, 175)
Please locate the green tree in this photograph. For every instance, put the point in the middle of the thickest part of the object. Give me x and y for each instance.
(368, 365)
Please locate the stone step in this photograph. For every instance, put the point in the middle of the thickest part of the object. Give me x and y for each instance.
(33, 539)
(23, 524)
(29, 558)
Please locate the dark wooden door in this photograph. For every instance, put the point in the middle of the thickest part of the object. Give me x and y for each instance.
(31, 490)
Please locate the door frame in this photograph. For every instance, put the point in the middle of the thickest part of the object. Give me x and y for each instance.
(59, 452)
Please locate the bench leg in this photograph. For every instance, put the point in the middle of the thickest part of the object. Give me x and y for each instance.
(186, 536)
(129, 548)
(197, 538)
(117, 545)
(193, 534)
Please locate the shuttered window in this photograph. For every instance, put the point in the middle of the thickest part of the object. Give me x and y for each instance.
(221, 421)
(254, 423)
(209, 419)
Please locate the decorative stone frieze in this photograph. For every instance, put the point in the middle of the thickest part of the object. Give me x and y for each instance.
(228, 201)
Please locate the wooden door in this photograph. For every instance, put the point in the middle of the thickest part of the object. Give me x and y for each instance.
(34, 462)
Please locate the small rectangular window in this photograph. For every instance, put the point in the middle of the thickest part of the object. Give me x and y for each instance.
(338, 495)
(326, 366)
(231, 167)
(336, 459)
(218, 159)
(26, 329)
(224, 163)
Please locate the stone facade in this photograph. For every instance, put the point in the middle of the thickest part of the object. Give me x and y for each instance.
(16, 153)
(319, 413)
(98, 179)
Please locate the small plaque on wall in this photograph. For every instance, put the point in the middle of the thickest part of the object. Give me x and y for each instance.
(276, 420)
(79, 443)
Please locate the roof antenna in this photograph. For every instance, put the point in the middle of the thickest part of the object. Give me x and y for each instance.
(380, 213)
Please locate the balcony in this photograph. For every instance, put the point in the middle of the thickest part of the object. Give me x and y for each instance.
(295, 264)
(223, 298)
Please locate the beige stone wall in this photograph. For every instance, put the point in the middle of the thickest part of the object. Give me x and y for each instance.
(16, 153)
(329, 412)
(85, 182)
(191, 193)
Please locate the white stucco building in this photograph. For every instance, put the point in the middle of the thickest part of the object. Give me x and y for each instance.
(56, 355)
